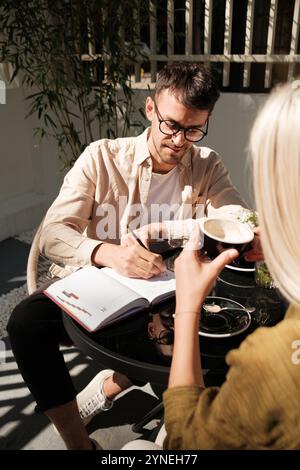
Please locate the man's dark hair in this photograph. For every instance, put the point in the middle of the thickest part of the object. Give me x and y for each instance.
(193, 84)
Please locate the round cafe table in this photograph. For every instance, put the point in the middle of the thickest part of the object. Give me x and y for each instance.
(141, 346)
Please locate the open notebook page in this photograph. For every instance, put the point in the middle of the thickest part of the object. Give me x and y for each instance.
(150, 289)
(92, 297)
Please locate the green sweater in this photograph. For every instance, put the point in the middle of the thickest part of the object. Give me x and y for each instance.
(258, 406)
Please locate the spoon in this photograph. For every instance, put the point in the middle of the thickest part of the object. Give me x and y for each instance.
(212, 308)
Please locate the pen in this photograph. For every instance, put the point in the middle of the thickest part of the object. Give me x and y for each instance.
(137, 238)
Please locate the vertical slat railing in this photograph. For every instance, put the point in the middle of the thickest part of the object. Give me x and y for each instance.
(247, 58)
(170, 31)
(248, 41)
(91, 47)
(121, 31)
(91, 39)
(271, 41)
(294, 38)
(136, 26)
(106, 51)
(208, 9)
(227, 40)
(189, 27)
(153, 38)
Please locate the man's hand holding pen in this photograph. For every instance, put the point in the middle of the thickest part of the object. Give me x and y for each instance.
(145, 234)
(132, 259)
(151, 263)
(143, 244)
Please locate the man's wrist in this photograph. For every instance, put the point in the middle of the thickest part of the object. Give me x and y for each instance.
(100, 255)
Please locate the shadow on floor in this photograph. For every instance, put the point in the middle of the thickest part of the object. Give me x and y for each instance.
(21, 427)
(129, 409)
(12, 268)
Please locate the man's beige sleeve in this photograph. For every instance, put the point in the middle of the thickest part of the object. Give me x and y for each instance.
(62, 238)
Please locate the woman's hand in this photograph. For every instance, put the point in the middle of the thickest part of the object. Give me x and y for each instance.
(256, 253)
(196, 274)
(195, 277)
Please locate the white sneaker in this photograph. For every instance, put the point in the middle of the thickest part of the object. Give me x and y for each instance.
(92, 400)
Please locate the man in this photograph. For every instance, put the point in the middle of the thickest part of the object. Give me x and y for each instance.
(110, 183)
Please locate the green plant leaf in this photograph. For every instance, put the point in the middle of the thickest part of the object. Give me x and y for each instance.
(73, 99)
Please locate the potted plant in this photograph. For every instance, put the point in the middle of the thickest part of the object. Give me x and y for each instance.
(74, 61)
(263, 276)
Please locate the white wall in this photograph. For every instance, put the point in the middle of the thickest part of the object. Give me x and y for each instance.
(30, 174)
(228, 135)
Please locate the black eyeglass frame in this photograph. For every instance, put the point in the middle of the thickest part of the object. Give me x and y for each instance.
(180, 128)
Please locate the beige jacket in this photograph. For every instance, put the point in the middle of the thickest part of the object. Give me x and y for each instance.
(107, 181)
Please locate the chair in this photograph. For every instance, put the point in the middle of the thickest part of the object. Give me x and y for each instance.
(37, 275)
(37, 264)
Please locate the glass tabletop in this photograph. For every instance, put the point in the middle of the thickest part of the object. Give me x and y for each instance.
(142, 344)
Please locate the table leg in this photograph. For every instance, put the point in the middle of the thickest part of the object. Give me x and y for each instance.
(147, 418)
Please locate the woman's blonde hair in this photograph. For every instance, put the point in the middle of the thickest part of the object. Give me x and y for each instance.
(275, 152)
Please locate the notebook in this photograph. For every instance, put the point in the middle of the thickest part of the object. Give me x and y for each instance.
(96, 298)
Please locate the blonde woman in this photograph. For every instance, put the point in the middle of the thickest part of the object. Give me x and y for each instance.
(258, 405)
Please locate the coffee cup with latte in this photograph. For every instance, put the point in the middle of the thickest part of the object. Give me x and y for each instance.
(222, 234)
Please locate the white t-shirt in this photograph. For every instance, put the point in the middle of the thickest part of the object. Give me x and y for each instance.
(164, 197)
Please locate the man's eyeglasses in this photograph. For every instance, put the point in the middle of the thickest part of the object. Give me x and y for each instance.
(192, 134)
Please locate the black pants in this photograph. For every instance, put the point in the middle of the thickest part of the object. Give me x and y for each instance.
(36, 331)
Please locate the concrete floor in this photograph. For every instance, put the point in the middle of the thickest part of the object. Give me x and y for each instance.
(20, 426)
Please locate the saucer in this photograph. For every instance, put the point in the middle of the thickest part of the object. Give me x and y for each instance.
(226, 323)
(241, 265)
